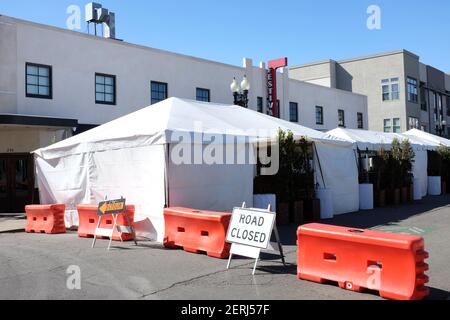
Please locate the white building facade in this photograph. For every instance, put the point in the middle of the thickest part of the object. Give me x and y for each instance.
(54, 82)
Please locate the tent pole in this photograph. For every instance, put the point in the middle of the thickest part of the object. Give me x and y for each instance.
(320, 166)
(166, 175)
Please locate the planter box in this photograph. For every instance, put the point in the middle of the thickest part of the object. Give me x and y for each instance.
(404, 194)
(312, 209)
(366, 196)
(394, 197)
(283, 214)
(434, 186)
(299, 218)
(380, 198)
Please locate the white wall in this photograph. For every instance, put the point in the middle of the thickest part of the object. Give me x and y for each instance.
(76, 57)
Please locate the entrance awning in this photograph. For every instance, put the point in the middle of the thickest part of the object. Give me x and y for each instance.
(26, 120)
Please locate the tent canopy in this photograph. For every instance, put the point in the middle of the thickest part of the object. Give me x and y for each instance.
(373, 140)
(164, 122)
(427, 137)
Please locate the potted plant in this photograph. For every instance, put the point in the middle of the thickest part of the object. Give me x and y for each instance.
(444, 153)
(394, 173)
(406, 162)
(379, 177)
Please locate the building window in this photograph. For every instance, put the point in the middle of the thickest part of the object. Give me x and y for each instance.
(396, 125)
(387, 125)
(158, 92)
(319, 115)
(105, 89)
(413, 123)
(341, 118)
(423, 97)
(38, 81)
(412, 90)
(293, 111)
(259, 104)
(390, 89)
(360, 120)
(448, 103)
(203, 95)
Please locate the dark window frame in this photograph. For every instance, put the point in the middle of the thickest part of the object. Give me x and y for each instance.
(360, 120)
(341, 122)
(320, 122)
(291, 106)
(114, 102)
(202, 90)
(154, 100)
(260, 104)
(50, 81)
(412, 89)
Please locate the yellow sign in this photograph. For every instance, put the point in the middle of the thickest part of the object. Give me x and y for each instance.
(111, 207)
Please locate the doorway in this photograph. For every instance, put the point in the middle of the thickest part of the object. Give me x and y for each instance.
(16, 182)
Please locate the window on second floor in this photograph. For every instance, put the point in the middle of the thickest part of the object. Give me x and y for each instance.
(319, 115)
(448, 103)
(387, 125)
(293, 111)
(360, 120)
(259, 104)
(38, 80)
(158, 92)
(341, 118)
(423, 97)
(396, 125)
(412, 90)
(390, 89)
(105, 89)
(203, 95)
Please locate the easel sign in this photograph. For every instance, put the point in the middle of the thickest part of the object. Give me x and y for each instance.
(250, 232)
(113, 208)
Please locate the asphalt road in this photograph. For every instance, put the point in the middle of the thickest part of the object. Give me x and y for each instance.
(34, 266)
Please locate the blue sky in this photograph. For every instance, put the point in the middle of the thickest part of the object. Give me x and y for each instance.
(304, 31)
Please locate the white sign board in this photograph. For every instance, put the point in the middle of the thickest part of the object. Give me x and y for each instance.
(251, 227)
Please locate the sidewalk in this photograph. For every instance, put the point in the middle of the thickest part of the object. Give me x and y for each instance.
(12, 223)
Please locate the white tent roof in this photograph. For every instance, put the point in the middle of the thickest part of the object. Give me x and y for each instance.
(428, 137)
(160, 123)
(373, 140)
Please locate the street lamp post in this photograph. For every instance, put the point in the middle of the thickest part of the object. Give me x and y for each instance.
(440, 127)
(240, 93)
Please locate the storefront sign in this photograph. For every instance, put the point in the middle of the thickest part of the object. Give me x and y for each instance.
(272, 101)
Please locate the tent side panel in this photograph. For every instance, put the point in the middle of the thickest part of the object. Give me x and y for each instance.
(215, 187)
(420, 169)
(340, 173)
(137, 174)
(63, 180)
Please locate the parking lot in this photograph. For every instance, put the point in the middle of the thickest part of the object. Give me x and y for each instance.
(34, 266)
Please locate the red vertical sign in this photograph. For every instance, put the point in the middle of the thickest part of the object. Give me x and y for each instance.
(272, 102)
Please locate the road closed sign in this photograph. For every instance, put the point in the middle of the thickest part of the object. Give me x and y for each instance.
(251, 227)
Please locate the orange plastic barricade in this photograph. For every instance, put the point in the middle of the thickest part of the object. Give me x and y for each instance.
(391, 264)
(88, 219)
(197, 231)
(47, 219)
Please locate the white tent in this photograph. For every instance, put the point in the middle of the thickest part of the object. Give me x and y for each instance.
(427, 137)
(140, 157)
(372, 140)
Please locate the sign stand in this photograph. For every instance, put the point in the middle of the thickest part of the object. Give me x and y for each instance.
(115, 212)
(253, 252)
